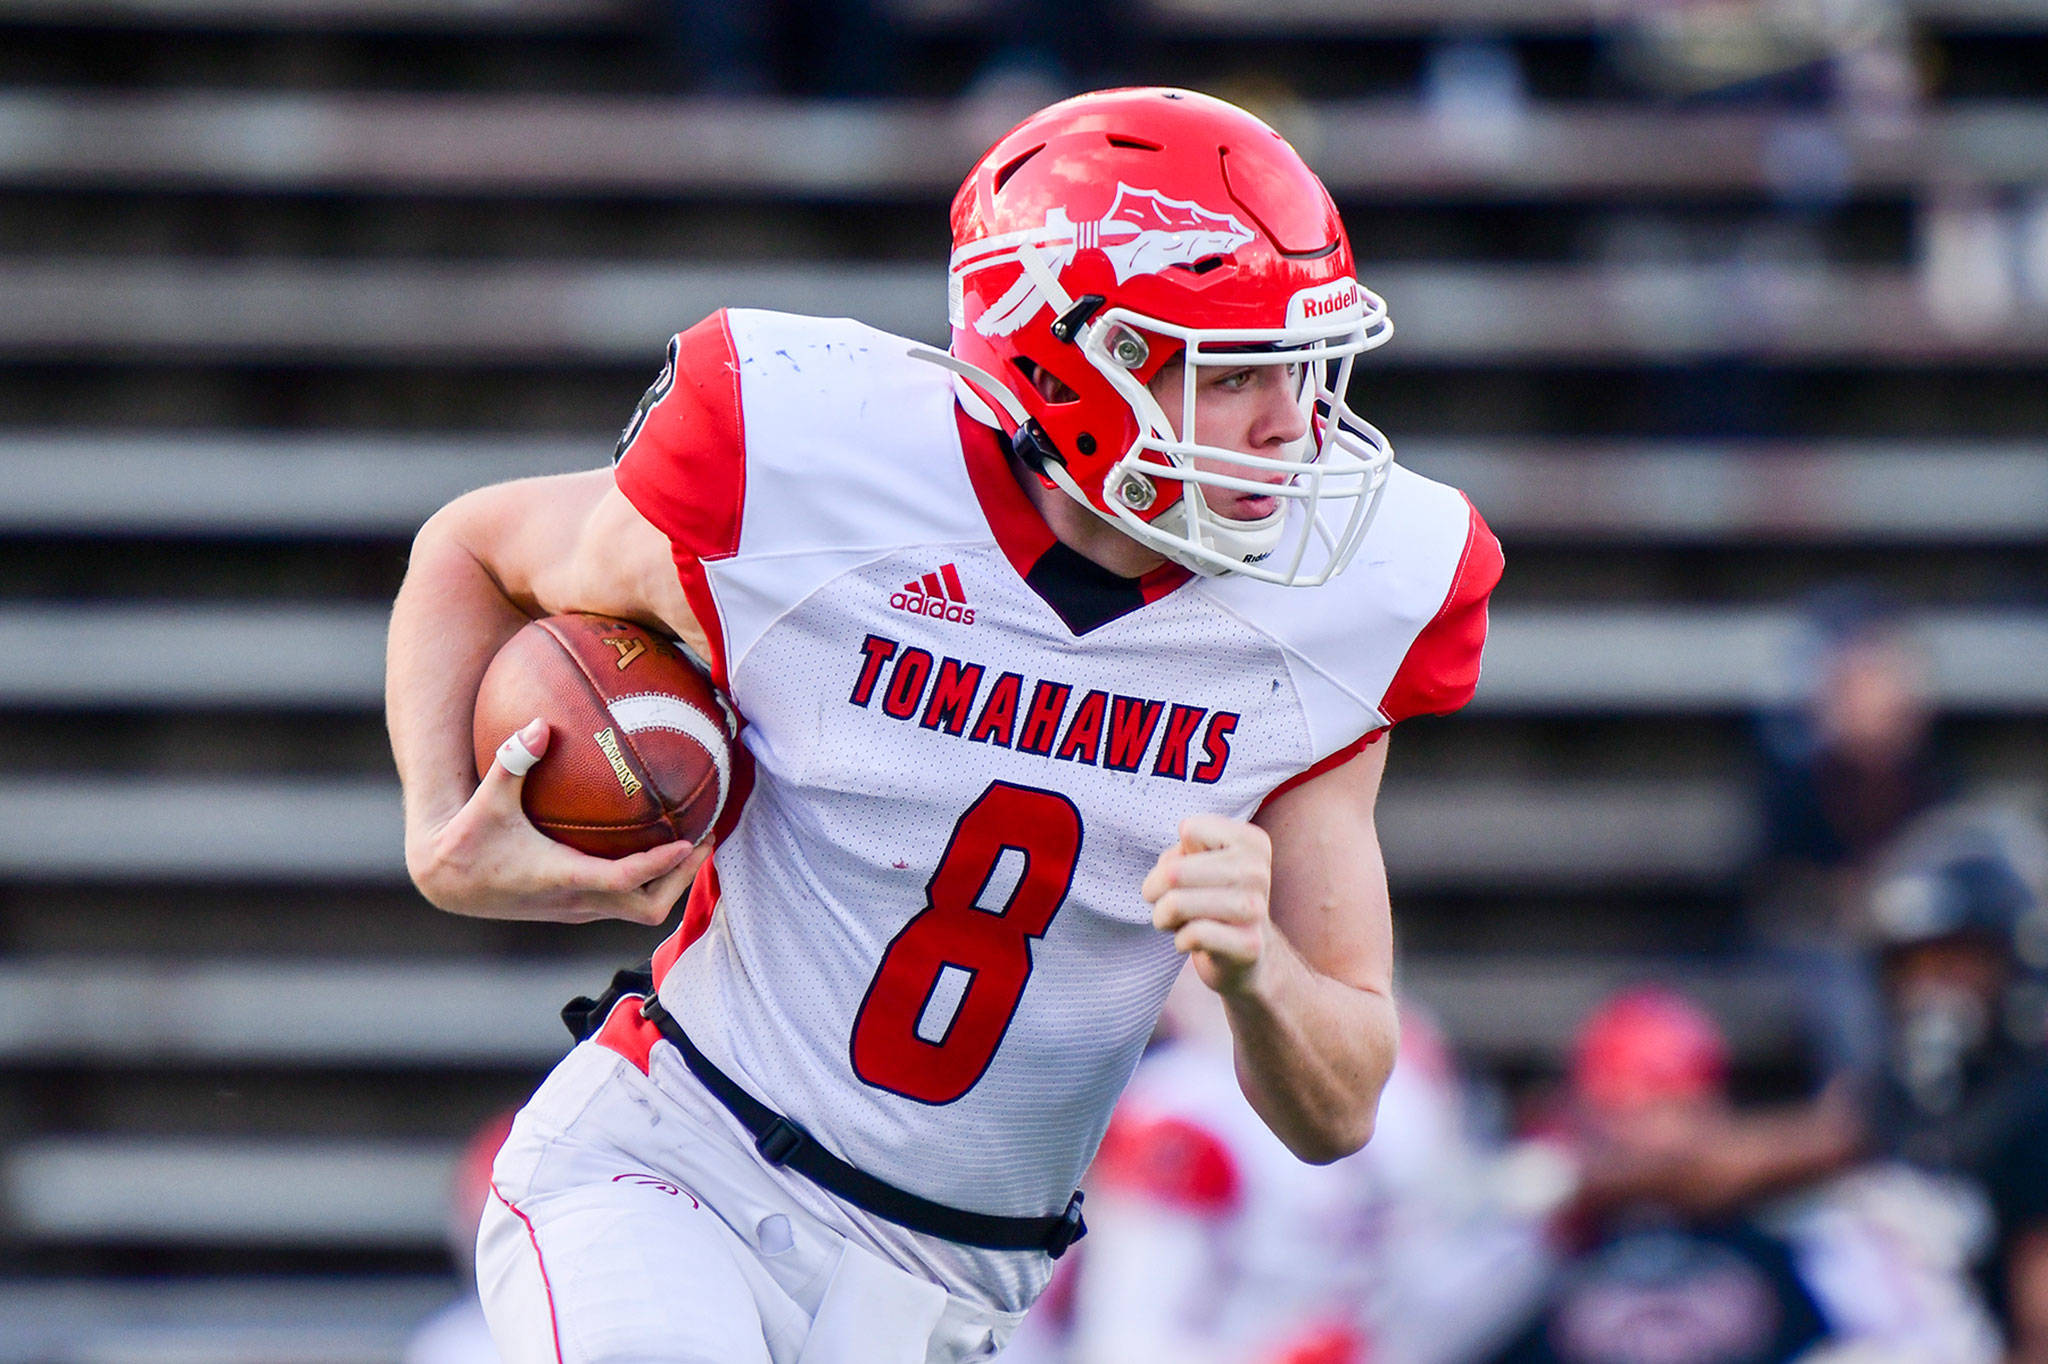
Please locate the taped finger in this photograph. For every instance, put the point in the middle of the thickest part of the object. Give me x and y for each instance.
(515, 757)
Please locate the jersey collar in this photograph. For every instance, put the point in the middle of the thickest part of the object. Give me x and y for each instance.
(1085, 595)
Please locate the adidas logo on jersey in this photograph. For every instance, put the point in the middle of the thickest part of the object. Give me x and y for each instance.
(938, 595)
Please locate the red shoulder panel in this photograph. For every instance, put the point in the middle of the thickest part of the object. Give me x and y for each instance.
(1169, 1160)
(1441, 670)
(683, 463)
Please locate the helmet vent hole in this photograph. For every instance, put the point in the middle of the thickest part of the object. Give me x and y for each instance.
(1203, 266)
(1136, 144)
(1014, 165)
(1050, 387)
(1085, 443)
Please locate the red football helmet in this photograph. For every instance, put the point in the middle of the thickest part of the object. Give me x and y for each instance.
(1111, 234)
(1647, 1045)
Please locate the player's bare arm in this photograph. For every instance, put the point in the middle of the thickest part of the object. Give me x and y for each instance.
(481, 568)
(1287, 918)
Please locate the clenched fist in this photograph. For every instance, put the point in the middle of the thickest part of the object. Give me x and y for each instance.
(1212, 891)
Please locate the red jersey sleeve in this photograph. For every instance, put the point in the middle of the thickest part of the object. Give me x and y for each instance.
(1441, 670)
(681, 462)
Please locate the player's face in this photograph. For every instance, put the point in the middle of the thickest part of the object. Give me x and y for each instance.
(1253, 409)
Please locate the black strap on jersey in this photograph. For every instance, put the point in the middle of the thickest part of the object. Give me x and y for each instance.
(584, 1015)
(782, 1142)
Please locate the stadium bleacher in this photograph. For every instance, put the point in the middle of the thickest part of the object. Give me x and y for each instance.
(262, 310)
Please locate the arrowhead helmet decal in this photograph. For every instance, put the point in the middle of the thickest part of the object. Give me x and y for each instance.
(1143, 233)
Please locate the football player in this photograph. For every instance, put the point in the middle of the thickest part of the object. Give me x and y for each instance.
(1064, 657)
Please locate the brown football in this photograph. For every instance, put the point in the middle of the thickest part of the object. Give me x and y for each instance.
(641, 745)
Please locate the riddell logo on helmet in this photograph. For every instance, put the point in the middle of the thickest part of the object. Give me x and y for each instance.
(1335, 299)
(938, 595)
(1328, 307)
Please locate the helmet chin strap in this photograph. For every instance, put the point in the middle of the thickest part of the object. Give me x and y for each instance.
(980, 384)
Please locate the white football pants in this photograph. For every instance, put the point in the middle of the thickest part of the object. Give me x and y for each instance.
(623, 1229)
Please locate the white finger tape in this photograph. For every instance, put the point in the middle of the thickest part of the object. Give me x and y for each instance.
(516, 757)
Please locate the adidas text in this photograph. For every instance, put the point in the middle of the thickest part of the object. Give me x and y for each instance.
(938, 595)
(937, 609)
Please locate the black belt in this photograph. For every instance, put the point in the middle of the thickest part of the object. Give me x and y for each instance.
(782, 1142)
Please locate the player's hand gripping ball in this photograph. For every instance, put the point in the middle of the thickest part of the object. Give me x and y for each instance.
(641, 749)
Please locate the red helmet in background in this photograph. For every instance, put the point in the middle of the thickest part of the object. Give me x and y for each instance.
(1113, 233)
(1648, 1045)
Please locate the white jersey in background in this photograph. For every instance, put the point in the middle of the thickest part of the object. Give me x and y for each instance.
(1213, 1244)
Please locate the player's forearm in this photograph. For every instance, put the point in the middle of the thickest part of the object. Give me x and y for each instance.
(1313, 1054)
(447, 624)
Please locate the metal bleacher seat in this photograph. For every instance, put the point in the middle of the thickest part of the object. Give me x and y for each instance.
(622, 313)
(469, 144)
(1345, 16)
(462, 15)
(120, 482)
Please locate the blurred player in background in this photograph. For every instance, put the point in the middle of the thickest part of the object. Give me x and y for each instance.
(1960, 920)
(1948, 1131)
(1213, 1245)
(1066, 659)
(1864, 1266)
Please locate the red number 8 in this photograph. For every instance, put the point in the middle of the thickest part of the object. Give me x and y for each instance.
(993, 946)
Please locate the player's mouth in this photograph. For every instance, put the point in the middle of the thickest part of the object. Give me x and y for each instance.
(1243, 506)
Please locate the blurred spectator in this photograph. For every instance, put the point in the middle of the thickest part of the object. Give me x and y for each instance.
(457, 1334)
(1212, 1244)
(1843, 774)
(1971, 259)
(1474, 91)
(1791, 53)
(842, 49)
(1853, 765)
(1848, 1271)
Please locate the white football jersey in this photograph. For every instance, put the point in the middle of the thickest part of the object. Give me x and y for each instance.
(923, 938)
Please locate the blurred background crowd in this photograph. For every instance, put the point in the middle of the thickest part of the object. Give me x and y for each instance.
(1723, 912)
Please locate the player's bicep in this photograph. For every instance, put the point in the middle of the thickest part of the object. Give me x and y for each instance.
(572, 542)
(1329, 893)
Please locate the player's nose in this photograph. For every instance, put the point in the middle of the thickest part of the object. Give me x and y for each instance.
(1279, 420)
